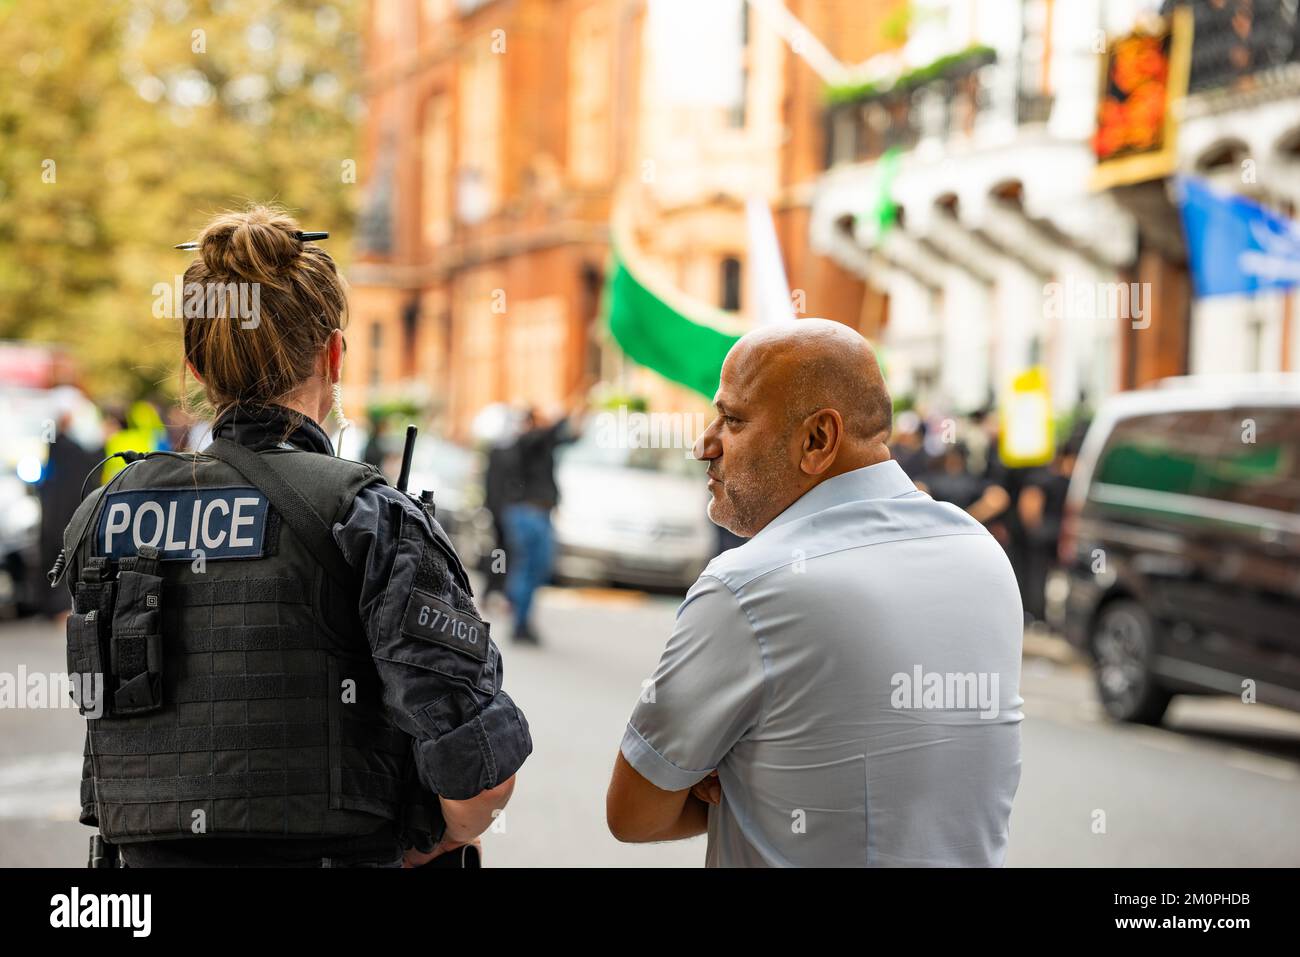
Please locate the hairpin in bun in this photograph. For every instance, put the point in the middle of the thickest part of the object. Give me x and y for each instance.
(301, 235)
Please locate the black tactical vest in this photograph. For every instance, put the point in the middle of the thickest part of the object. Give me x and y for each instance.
(239, 695)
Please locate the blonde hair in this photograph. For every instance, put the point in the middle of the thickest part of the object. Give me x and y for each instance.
(300, 296)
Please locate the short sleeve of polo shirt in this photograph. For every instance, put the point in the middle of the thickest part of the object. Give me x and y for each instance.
(706, 693)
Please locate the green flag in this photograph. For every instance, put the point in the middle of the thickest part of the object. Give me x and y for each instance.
(659, 335)
(881, 213)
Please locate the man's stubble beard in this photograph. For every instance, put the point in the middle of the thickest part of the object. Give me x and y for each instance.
(744, 503)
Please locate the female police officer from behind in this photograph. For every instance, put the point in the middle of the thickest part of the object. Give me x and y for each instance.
(294, 672)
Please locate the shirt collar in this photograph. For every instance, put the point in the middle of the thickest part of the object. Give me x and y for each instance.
(882, 480)
(269, 427)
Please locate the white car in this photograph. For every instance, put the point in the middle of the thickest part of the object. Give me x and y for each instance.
(631, 516)
(27, 418)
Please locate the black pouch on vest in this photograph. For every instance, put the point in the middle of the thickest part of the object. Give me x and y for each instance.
(92, 608)
(136, 644)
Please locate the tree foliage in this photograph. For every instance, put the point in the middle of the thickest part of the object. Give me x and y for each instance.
(125, 123)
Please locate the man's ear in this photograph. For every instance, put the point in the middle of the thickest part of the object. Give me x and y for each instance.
(822, 432)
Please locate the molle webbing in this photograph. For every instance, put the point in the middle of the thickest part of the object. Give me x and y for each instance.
(250, 710)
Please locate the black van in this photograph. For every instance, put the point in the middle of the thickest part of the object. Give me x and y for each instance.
(1181, 545)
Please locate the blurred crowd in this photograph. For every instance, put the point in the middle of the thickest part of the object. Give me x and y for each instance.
(957, 461)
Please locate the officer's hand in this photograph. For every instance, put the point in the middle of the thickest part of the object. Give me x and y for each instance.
(414, 858)
(709, 790)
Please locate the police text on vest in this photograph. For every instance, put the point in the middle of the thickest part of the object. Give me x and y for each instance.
(180, 522)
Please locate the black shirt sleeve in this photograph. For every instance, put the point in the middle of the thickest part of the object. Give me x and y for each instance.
(440, 670)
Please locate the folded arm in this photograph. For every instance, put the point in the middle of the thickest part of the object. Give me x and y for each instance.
(637, 811)
(706, 695)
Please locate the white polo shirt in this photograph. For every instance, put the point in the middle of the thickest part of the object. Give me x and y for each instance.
(853, 674)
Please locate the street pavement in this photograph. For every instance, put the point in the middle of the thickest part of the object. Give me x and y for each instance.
(1218, 785)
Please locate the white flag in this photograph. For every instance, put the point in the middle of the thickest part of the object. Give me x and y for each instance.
(768, 288)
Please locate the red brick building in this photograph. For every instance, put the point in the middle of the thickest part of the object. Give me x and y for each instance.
(498, 133)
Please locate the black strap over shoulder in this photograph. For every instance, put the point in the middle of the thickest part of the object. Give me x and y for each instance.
(295, 511)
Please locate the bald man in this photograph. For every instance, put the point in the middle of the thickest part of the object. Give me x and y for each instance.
(843, 688)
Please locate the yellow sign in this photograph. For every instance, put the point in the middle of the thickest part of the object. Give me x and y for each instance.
(1025, 434)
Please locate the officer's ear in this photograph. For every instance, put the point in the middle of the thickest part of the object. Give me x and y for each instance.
(334, 348)
(194, 372)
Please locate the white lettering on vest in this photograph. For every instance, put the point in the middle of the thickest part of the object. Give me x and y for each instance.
(172, 544)
(208, 540)
(154, 509)
(238, 520)
(119, 510)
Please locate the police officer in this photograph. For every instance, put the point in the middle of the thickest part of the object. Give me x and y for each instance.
(282, 661)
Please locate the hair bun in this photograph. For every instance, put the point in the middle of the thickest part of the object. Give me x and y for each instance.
(256, 245)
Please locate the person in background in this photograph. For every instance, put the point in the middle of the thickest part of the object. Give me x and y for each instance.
(144, 415)
(497, 491)
(532, 495)
(67, 466)
(1041, 509)
(1005, 526)
(908, 448)
(140, 429)
(950, 480)
(374, 451)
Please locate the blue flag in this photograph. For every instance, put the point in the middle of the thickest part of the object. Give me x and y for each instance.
(1236, 245)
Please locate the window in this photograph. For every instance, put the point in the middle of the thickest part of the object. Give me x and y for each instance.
(590, 93)
(479, 174)
(1162, 453)
(435, 150)
(736, 116)
(410, 330)
(376, 352)
(730, 298)
(1243, 456)
(1258, 463)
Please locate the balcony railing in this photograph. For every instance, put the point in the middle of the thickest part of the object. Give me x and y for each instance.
(1235, 40)
(953, 103)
